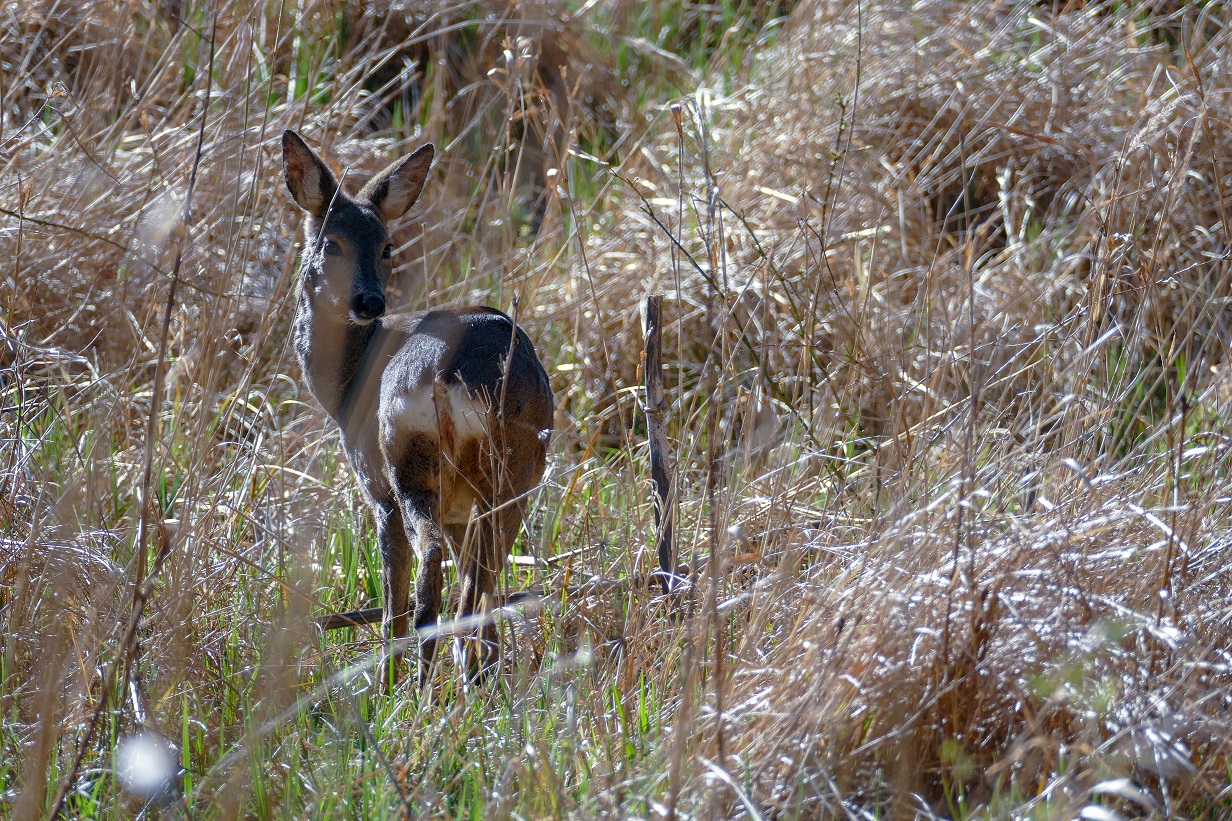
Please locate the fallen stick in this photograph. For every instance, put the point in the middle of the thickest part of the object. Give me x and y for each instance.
(372, 615)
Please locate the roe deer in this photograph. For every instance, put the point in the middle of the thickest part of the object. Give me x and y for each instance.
(440, 412)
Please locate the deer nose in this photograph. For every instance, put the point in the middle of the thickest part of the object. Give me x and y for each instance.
(367, 307)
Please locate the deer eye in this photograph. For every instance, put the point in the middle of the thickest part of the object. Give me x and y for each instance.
(387, 251)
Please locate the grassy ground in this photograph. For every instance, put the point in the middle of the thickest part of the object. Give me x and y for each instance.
(949, 386)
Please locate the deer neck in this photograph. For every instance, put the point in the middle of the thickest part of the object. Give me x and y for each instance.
(332, 354)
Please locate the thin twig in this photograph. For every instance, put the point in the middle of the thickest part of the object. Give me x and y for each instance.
(125, 655)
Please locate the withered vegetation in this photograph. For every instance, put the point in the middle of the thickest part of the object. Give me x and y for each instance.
(947, 339)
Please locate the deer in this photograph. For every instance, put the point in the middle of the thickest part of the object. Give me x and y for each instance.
(445, 415)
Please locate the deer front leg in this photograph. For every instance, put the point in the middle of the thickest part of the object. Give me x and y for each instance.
(396, 584)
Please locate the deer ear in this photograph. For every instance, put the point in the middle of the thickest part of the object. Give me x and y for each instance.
(394, 190)
(309, 179)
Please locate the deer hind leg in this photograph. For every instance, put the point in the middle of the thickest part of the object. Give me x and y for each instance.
(491, 539)
(477, 569)
(463, 538)
(427, 591)
(413, 461)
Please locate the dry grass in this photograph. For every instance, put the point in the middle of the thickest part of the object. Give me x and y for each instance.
(948, 352)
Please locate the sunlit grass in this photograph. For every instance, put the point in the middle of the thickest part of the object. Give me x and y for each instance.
(948, 383)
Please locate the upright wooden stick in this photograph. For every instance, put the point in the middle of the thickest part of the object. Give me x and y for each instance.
(660, 459)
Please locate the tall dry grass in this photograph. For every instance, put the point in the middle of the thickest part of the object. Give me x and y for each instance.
(947, 351)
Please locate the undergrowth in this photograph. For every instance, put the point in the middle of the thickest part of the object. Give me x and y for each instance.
(946, 337)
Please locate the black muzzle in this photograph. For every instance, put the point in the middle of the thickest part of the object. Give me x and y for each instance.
(367, 307)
